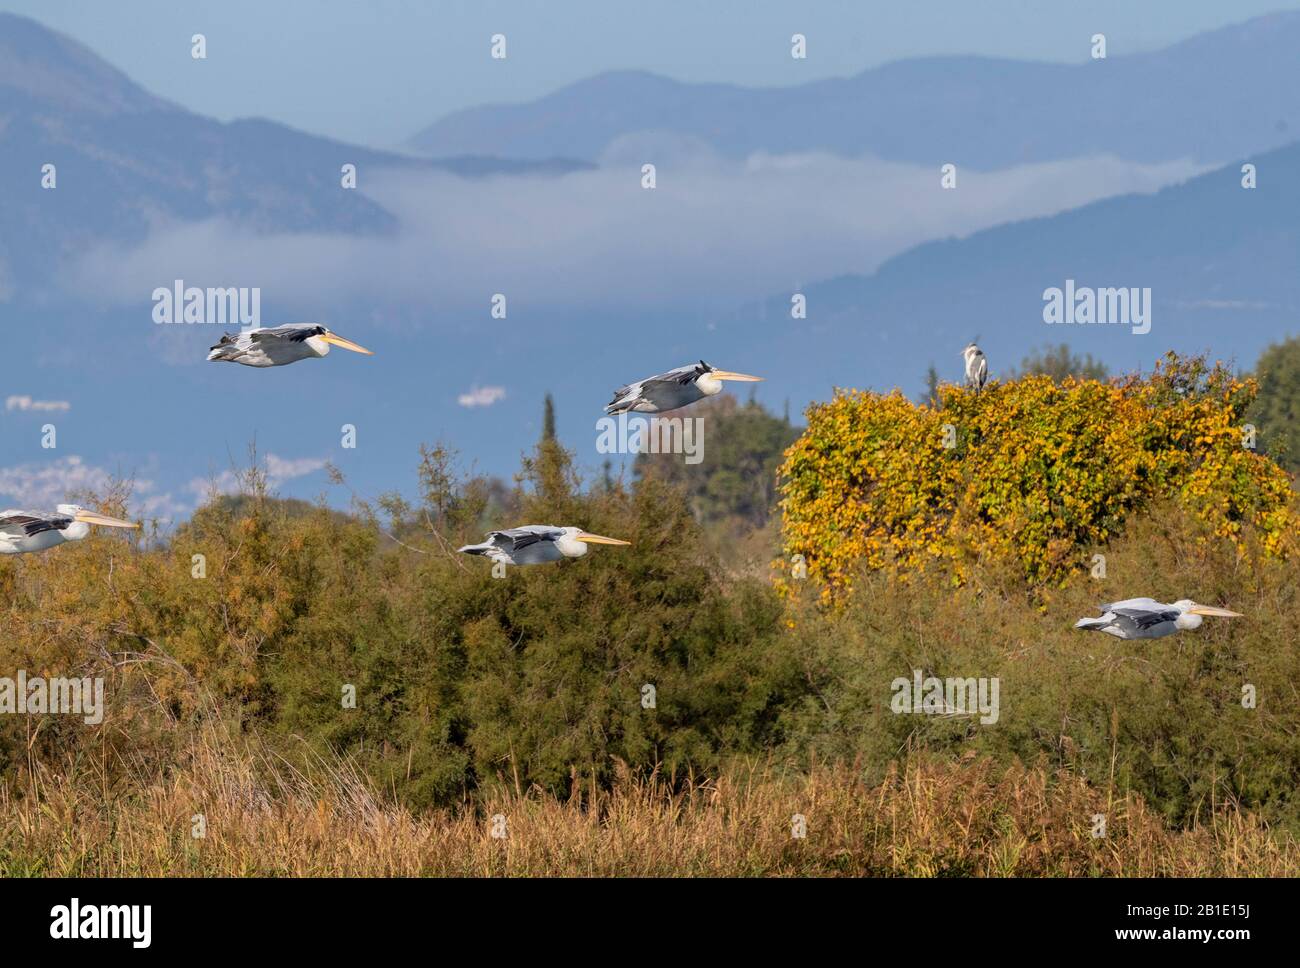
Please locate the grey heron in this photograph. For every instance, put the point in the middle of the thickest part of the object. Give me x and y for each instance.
(535, 544)
(977, 367)
(1145, 618)
(279, 345)
(26, 531)
(676, 388)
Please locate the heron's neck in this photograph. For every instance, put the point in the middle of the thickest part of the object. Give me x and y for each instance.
(1187, 620)
(709, 384)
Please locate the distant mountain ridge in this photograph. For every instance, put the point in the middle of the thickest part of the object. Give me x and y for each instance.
(1221, 260)
(1210, 98)
(126, 161)
(59, 73)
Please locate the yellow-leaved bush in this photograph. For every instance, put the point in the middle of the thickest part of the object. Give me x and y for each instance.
(1030, 471)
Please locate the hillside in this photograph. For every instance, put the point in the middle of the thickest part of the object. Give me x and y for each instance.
(1219, 261)
(979, 112)
(128, 161)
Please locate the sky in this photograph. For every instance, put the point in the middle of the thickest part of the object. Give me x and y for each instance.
(608, 283)
(377, 72)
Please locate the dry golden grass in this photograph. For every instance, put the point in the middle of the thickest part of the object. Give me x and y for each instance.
(266, 817)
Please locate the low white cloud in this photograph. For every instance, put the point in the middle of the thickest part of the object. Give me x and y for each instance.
(713, 234)
(24, 404)
(481, 396)
(42, 486)
(278, 470)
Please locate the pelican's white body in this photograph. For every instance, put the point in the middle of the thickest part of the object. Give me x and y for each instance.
(18, 544)
(279, 345)
(536, 544)
(281, 352)
(1145, 618)
(545, 542)
(264, 347)
(679, 387)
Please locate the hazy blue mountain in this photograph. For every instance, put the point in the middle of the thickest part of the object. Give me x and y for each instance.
(127, 160)
(1210, 98)
(1222, 262)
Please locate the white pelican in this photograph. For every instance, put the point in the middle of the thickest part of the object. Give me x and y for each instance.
(535, 544)
(1145, 618)
(674, 389)
(280, 345)
(977, 367)
(24, 531)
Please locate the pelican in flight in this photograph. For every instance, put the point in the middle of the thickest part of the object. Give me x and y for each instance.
(977, 367)
(1145, 618)
(24, 531)
(280, 345)
(674, 389)
(535, 544)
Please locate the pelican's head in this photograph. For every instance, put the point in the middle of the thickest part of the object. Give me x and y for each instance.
(574, 542)
(83, 519)
(1190, 617)
(322, 339)
(709, 378)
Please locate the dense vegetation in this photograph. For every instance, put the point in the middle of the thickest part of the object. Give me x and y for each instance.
(229, 645)
(1028, 470)
(1277, 411)
(736, 487)
(1060, 363)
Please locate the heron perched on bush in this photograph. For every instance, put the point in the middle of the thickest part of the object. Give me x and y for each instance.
(977, 367)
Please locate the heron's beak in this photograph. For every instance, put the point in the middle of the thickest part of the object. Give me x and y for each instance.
(599, 539)
(103, 520)
(728, 375)
(347, 344)
(1217, 612)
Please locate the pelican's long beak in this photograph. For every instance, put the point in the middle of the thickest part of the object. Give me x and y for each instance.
(728, 375)
(103, 520)
(599, 539)
(1217, 612)
(347, 344)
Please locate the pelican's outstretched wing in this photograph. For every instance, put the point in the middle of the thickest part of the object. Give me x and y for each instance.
(24, 524)
(516, 538)
(1132, 618)
(1143, 618)
(502, 545)
(293, 332)
(662, 390)
(1144, 603)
